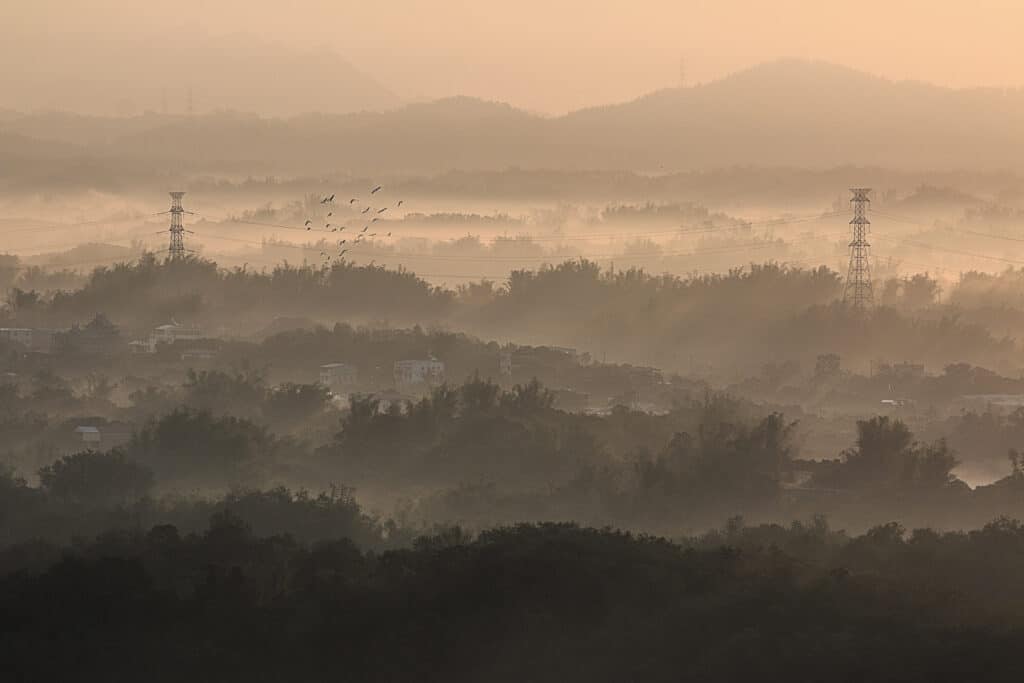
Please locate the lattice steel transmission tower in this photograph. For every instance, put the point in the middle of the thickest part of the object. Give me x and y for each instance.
(177, 248)
(859, 292)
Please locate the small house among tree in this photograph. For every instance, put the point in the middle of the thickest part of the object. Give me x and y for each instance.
(339, 378)
(89, 434)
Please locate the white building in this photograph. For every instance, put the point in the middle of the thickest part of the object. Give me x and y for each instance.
(565, 350)
(172, 332)
(199, 354)
(339, 377)
(17, 335)
(390, 398)
(505, 362)
(167, 334)
(89, 434)
(39, 341)
(411, 372)
(139, 346)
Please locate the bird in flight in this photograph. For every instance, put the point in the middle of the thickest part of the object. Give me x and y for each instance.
(382, 210)
(327, 200)
(365, 210)
(365, 227)
(353, 200)
(308, 221)
(389, 234)
(376, 189)
(399, 204)
(330, 213)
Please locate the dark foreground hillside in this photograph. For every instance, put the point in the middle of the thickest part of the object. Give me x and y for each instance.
(530, 603)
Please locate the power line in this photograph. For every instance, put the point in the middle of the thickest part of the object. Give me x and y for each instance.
(960, 252)
(965, 231)
(583, 236)
(64, 245)
(48, 226)
(492, 276)
(101, 261)
(116, 260)
(325, 239)
(512, 259)
(681, 232)
(994, 236)
(903, 219)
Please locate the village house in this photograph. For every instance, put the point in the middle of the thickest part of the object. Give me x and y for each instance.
(340, 378)
(416, 372)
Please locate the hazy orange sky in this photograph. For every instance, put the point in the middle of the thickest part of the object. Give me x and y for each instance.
(556, 55)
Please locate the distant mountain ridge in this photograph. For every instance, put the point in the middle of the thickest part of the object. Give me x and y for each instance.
(184, 71)
(787, 113)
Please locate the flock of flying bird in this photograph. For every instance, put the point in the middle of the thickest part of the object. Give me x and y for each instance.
(362, 234)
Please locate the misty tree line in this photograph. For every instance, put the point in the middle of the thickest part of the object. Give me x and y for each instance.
(481, 455)
(626, 313)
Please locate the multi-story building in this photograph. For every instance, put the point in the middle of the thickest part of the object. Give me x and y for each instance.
(172, 333)
(34, 340)
(340, 378)
(414, 372)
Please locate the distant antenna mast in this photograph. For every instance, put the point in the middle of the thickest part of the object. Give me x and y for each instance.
(859, 292)
(177, 230)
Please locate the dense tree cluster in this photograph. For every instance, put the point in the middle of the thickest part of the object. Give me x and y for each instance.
(544, 603)
(790, 311)
(96, 477)
(152, 292)
(479, 455)
(90, 493)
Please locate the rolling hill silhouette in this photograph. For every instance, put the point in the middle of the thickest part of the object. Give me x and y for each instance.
(787, 113)
(172, 72)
